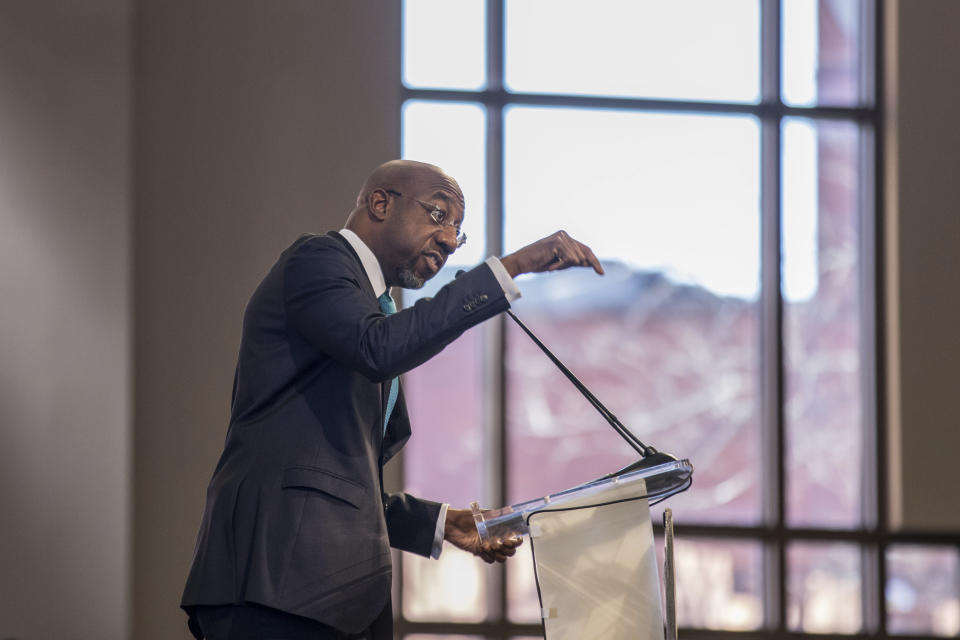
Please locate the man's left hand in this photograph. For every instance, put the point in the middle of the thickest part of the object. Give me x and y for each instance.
(461, 531)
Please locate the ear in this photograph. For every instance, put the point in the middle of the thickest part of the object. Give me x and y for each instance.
(377, 204)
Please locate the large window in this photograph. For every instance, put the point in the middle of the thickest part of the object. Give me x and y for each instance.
(718, 155)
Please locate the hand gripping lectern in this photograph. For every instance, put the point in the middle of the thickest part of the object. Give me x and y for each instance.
(593, 549)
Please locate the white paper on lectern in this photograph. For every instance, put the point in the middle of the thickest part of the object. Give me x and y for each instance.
(596, 569)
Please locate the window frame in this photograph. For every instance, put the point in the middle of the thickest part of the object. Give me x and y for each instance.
(774, 535)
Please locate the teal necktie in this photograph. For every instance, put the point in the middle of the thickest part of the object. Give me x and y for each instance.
(389, 307)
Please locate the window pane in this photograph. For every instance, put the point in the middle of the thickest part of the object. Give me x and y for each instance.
(444, 44)
(444, 461)
(822, 45)
(923, 590)
(823, 588)
(822, 283)
(719, 583)
(453, 136)
(668, 338)
(682, 49)
(451, 588)
(523, 603)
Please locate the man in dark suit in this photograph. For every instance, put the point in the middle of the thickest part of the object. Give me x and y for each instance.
(296, 533)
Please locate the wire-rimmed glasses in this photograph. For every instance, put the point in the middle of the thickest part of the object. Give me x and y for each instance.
(437, 214)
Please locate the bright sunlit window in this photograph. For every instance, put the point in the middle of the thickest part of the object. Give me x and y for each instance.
(717, 155)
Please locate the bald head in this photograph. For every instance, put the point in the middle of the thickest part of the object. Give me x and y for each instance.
(405, 176)
(392, 217)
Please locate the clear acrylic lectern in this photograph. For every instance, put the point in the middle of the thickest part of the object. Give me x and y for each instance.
(593, 552)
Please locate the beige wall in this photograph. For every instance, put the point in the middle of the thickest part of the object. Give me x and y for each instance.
(250, 123)
(923, 227)
(64, 319)
(254, 122)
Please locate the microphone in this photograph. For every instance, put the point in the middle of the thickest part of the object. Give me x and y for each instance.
(649, 455)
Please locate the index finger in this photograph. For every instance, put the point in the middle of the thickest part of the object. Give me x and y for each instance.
(592, 259)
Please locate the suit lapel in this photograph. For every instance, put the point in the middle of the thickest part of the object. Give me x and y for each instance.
(398, 429)
(363, 279)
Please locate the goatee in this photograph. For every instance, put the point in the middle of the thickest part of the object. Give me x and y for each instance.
(409, 279)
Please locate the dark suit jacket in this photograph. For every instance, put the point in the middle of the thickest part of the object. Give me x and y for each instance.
(296, 517)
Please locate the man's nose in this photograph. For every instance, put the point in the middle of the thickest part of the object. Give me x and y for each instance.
(447, 238)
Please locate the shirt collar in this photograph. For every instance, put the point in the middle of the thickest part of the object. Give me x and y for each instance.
(369, 261)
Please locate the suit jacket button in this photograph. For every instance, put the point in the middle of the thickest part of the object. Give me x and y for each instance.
(466, 307)
(483, 297)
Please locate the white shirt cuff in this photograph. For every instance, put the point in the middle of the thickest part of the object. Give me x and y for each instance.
(438, 533)
(510, 288)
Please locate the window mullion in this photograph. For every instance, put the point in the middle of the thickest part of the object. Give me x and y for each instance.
(497, 467)
(771, 314)
(495, 365)
(496, 36)
(771, 372)
(871, 241)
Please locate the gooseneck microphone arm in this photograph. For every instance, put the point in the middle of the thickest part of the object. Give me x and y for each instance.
(632, 440)
(645, 451)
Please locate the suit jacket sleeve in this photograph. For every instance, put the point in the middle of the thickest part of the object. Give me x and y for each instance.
(328, 305)
(411, 522)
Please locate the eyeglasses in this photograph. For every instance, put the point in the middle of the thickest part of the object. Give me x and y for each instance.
(439, 216)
